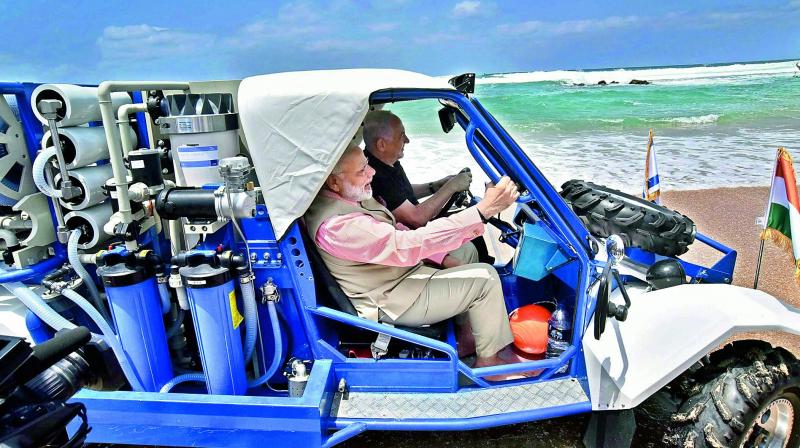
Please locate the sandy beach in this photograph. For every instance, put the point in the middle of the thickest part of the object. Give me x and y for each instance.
(726, 214)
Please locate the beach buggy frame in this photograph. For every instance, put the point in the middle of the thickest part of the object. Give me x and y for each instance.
(666, 331)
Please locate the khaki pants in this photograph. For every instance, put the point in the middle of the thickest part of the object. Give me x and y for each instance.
(466, 253)
(472, 291)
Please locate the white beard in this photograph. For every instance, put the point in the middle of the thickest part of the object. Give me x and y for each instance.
(356, 194)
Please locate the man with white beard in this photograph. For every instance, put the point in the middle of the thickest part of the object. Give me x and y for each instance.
(378, 262)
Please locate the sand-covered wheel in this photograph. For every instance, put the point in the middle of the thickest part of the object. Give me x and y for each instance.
(648, 226)
(745, 395)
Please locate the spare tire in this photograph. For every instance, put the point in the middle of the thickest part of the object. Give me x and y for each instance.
(639, 223)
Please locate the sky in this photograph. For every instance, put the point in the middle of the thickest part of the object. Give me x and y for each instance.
(91, 41)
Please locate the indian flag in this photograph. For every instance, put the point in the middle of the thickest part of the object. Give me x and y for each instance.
(782, 225)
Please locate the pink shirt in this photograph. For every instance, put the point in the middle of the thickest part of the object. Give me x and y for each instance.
(360, 237)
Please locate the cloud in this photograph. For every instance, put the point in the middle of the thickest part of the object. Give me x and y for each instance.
(382, 27)
(147, 42)
(437, 38)
(349, 45)
(569, 26)
(466, 8)
(295, 21)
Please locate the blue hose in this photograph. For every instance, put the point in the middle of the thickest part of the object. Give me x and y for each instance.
(198, 377)
(277, 354)
(40, 268)
(250, 319)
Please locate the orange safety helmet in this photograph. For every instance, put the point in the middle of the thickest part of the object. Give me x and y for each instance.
(529, 326)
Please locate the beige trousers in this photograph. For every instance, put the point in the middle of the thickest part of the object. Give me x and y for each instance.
(466, 253)
(473, 291)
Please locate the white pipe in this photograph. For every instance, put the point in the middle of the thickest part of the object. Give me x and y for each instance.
(78, 103)
(124, 123)
(96, 217)
(176, 244)
(104, 92)
(83, 146)
(91, 180)
(39, 173)
(9, 237)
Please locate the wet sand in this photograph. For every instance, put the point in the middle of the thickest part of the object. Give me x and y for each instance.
(727, 215)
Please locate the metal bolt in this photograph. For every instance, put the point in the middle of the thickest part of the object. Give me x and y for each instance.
(266, 256)
(253, 256)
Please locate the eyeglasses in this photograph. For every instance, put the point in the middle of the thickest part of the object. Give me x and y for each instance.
(360, 173)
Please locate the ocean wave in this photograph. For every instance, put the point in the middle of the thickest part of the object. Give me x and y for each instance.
(702, 119)
(717, 74)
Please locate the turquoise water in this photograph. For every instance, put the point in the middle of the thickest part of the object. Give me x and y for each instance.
(714, 126)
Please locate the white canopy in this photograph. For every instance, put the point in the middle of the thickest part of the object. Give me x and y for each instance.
(298, 124)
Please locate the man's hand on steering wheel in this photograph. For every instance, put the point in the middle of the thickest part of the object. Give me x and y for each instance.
(459, 182)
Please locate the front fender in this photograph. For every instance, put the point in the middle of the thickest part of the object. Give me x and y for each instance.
(669, 330)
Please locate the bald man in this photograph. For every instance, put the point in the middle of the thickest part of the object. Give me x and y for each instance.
(384, 141)
(378, 261)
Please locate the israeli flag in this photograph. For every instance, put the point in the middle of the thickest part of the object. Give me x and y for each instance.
(652, 185)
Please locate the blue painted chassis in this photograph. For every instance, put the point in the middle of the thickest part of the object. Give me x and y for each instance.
(197, 419)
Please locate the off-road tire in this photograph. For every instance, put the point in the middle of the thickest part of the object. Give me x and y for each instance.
(639, 223)
(717, 401)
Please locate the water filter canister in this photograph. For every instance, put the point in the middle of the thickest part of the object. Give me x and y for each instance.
(132, 293)
(217, 323)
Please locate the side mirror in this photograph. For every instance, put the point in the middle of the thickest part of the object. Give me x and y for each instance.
(615, 249)
(464, 83)
(601, 309)
(447, 118)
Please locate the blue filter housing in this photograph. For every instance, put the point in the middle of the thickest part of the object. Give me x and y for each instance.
(136, 309)
(217, 321)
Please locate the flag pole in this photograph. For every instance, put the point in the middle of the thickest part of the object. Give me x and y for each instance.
(758, 264)
(766, 217)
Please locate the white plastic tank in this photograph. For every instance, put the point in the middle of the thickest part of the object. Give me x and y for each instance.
(202, 129)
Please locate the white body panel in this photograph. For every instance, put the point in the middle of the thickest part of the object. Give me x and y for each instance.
(669, 330)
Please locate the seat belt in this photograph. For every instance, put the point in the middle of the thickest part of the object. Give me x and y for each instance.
(380, 347)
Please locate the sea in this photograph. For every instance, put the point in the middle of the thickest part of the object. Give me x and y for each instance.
(716, 125)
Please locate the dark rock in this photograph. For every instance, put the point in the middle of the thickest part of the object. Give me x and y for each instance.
(580, 84)
(614, 82)
(639, 81)
(602, 82)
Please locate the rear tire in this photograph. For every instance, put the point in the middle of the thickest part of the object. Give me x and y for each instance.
(734, 398)
(639, 223)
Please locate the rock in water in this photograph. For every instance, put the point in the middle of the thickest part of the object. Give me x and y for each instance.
(639, 81)
(602, 82)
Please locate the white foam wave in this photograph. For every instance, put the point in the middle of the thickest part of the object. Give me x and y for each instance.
(663, 75)
(702, 119)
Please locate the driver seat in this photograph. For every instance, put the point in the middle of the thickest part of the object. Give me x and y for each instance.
(330, 294)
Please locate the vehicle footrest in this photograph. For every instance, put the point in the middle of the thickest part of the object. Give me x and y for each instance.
(464, 404)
